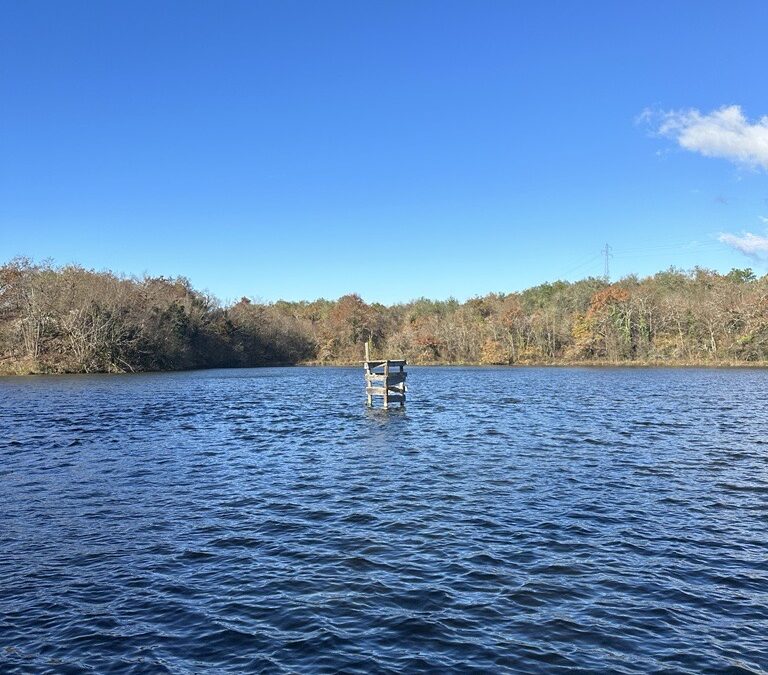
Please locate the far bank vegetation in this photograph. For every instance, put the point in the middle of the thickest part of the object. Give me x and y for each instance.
(70, 319)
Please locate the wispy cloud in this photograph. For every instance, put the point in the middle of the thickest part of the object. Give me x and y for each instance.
(753, 245)
(724, 133)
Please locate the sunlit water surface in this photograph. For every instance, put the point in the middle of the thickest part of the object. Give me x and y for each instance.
(264, 520)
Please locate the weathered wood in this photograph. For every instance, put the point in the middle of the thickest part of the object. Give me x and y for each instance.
(367, 358)
(386, 389)
(392, 378)
(384, 378)
(379, 391)
(397, 363)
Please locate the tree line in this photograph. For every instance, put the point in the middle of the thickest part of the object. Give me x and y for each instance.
(70, 319)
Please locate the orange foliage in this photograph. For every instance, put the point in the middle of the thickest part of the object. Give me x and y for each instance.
(606, 298)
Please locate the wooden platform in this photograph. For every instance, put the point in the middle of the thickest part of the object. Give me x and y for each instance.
(385, 378)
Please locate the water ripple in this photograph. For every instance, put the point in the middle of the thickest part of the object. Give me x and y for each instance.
(526, 520)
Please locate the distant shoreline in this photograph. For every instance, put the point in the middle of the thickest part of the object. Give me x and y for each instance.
(73, 320)
(660, 365)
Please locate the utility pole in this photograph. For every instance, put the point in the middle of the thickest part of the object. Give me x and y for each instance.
(608, 255)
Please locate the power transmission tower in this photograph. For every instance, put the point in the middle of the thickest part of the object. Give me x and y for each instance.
(606, 252)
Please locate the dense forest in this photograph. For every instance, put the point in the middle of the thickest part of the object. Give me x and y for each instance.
(70, 319)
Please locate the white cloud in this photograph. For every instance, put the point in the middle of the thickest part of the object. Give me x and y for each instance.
(764, 219)
(724, 133)
(753, 245)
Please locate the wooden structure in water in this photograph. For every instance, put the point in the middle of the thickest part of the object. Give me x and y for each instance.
(386, 379)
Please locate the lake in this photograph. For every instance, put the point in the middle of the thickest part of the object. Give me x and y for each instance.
(509, 519)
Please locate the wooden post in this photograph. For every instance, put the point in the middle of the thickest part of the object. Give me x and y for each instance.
(386, 385)
(367, 368)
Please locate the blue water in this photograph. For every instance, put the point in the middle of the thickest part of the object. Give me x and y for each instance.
(522, 520)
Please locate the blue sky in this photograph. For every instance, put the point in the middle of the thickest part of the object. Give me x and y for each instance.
(401, 149)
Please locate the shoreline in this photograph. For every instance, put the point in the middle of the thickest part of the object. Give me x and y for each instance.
(681, 365)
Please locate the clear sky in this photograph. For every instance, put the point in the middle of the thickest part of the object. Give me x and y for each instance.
(395, 149)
